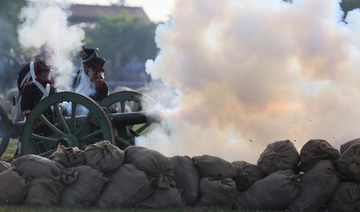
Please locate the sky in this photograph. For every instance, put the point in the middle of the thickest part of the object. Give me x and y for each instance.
(157, 10)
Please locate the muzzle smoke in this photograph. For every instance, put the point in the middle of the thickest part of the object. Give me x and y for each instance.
(251, 72)
(45, 22)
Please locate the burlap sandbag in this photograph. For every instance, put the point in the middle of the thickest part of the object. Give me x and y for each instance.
(127, 187)
(280, 155)
(4, 165)
(216, 191)
(156, 166)
(349, 161)
(68, 156)
(13, 187)
(210, 166)
(164, 198)
(247, 174)
(40, 167)
(86, 189)
(104, 156)
(186, 177)
(346, 145)
(44, 192)
(346, 198)
(316, 150)
(274, 192)
(316, 187)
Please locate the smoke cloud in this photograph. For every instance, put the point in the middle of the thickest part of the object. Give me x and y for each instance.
(251, 72)
(45, 22)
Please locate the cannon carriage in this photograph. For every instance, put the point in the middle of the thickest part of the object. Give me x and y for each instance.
(78, 121)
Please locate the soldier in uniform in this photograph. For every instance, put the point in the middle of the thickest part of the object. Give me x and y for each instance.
(34, 91)
(29, 70)
(86, 54)
(95, 70)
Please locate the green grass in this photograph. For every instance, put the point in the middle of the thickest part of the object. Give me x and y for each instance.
(10, 150)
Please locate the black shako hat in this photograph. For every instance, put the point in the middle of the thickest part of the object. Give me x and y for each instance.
(87, 53)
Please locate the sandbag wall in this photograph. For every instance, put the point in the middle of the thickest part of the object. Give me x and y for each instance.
(319, 178)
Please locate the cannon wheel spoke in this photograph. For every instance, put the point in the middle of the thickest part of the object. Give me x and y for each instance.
(66, 128)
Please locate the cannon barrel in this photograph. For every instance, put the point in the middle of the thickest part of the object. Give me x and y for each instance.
(125, 119)
(133, 118)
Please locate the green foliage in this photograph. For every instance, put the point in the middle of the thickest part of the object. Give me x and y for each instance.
(124, 34)
(9, 21)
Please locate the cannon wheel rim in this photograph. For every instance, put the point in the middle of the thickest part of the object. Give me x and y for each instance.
(122, 97)
(4, 130)
(71, 131)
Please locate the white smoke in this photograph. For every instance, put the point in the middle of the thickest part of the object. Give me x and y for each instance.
(45, 22)
(251, 72)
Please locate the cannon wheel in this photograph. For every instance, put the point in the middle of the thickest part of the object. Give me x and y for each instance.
(95, 127)
(4, 130)
(122, 98)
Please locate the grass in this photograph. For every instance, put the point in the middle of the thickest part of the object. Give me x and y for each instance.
(10, 150)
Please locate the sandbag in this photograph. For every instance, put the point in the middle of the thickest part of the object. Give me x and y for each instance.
(40, 167)
(104, 156)
(349, 161)
(346, 145)
(316, 187)
(275, 192)
(86, 189)
(4, 165)
(210, 166)
(216, 191)
(247, 174)
(346, 198)
(68, 156)
(280, 155)
(127, 187)
(156, 166)
(186, 177)
(13, 187)
(164, 198)
(44, 192)
(316, 150)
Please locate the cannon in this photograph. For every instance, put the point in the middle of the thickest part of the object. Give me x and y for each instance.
(78, 121)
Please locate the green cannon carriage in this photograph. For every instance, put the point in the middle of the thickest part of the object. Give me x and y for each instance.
(98, 121)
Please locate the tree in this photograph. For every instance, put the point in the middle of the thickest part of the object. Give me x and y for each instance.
(9, 21)
(124, 34)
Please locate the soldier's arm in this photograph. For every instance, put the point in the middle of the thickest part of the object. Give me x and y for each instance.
(27, 102)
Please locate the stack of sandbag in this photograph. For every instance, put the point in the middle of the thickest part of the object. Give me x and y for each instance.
(280, 155)
(275, 192)
(316, 150)
(47, 179)
(86, 189)
(316, 187)
(346, 198)
(104, 156)
(349, 161)
(159, 170)
(216, 184)
(68, 156)
(13, 187)
(187, 177)
(247, 174)
(128, 186)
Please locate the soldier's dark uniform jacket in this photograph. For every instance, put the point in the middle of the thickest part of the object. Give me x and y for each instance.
(31, 95)
(101, 90)
(23, 72)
